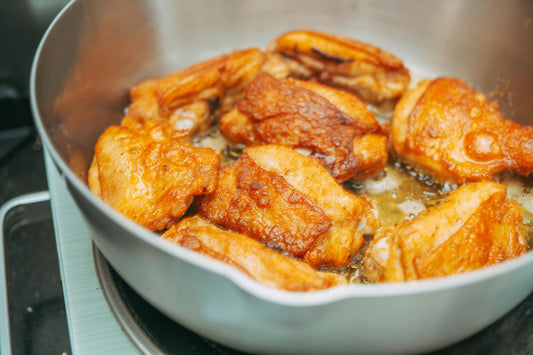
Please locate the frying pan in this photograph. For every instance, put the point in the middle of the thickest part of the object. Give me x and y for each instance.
(96, 50)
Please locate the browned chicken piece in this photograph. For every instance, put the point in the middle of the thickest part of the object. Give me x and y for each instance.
(149, 177)
(277, 195)
(188, 100)
(476, 226)
(351, 216)
(373, 74)
(330, 125)
(251, 257)
(265, 206)
(448, 130)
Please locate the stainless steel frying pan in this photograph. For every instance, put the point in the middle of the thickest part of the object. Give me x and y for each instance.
(96, 50)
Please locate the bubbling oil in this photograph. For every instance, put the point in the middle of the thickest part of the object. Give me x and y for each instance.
(401, 193)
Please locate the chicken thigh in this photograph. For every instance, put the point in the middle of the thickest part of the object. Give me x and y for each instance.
(277, 195)
(253, 258)
(188, 100)
(330, 125)
(148, 176)
(475, 226)
(451, 132)
(373, 74)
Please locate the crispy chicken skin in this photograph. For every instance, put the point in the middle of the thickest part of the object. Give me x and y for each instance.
(275, 194)
(351, 216)
(264, 206)
(148, 176)
(188, 100)
(330, 125)
(448, 130)
(475, 226)
(373, 74)
(250, 256)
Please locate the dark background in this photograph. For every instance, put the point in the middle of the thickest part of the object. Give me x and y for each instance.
(22, 24)
(36, 306)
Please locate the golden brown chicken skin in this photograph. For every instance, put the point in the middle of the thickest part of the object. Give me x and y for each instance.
(275, 194)
(330, 125)
(250, 256)
(149, 177)
(448, 130)
(264, 206)
(190, 99)
(351, 216)
(373, 74)
(476, 226)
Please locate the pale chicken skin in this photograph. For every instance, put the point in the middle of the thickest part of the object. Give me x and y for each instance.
(189, 100)
(330, 125)
(250, 256)
(277, 195)
(372, 73)
(148, 176)
(449, 131)
(475, 226)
